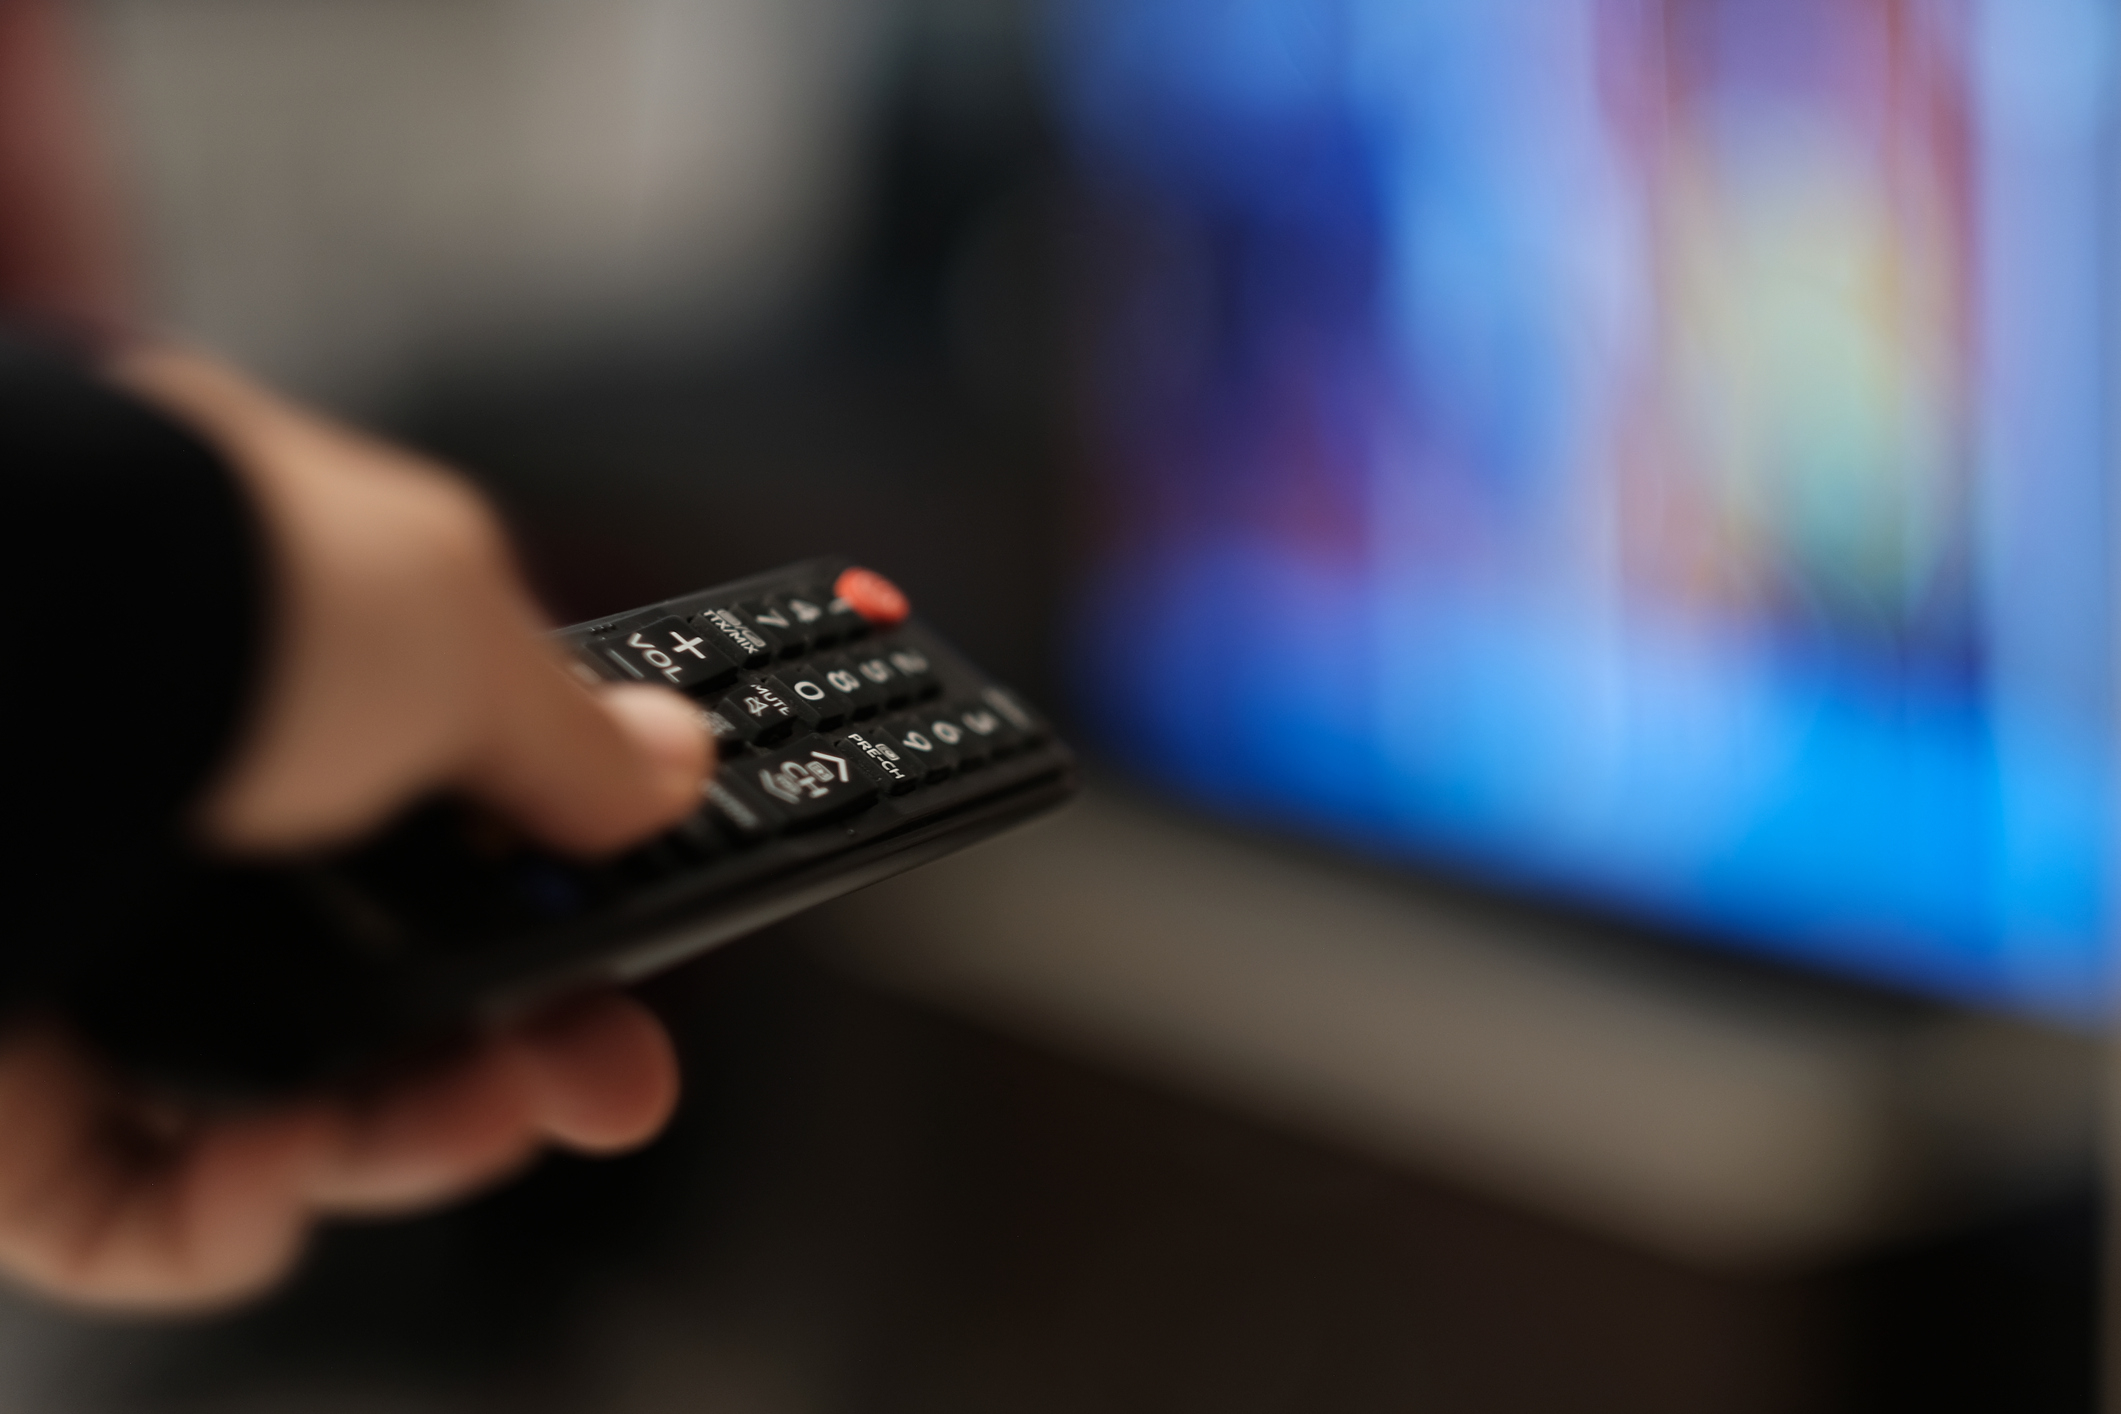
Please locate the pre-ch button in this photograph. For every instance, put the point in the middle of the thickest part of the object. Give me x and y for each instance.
(871, 752)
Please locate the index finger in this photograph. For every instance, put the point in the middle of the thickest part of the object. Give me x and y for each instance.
(584, 772)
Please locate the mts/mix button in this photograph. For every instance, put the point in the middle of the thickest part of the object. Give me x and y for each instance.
(742, 642)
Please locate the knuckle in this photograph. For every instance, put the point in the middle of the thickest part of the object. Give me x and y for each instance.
(459, 529)
(453, 552)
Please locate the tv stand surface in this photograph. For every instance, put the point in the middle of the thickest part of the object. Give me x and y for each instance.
(1676, 1103)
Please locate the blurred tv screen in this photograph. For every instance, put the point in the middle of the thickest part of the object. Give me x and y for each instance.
(1653, 453)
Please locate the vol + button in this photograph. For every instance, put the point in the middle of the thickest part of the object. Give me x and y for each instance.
(671, 653)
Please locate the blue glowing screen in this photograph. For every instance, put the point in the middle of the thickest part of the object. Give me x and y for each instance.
(1650, 452)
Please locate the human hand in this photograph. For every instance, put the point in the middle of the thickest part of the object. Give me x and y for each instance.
(405, 657)
(407, 654)
(110, 1200)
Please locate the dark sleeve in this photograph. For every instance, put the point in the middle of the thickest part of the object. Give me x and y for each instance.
(134, 586)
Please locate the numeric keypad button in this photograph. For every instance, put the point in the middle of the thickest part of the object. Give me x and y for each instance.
(887, 682)
(913, 667)
(971, 748)
(806, 613)
(816, 702)
(811, 609)
(815, 780)
(770, 624)
(840, 674)
(739, 639)
(777, 619)
(997, 736)
(918, 744)
(669, 652)
(947, 730)
(846, 620)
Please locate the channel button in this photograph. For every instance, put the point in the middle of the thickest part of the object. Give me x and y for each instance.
(814, 781)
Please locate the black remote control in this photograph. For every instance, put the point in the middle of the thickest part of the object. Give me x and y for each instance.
(854, 744)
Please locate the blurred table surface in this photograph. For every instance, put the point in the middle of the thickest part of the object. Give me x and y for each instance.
(867, 1204)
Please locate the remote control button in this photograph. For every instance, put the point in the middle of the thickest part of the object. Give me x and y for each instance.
(874, 753)
(817, 702)
(886, 682)
(777, 620)
(670, 652)
(987, 727)
(768, 623)
(741, 815)
(744, 643)
(810, 608)
(947, 731)
(913, 666)
(1029, 728)
(844, 619)
(762, 711)
(839, 674)
(813, 782)
(729, 734)
(919, 746)
(875, 598)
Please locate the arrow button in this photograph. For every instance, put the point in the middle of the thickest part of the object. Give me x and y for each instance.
(812, 781)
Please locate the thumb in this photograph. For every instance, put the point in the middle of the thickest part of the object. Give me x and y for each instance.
(588, 772)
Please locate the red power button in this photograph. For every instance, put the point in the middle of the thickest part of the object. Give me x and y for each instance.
(872, 596)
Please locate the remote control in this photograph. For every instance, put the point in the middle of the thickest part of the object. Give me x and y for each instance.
(853, 743)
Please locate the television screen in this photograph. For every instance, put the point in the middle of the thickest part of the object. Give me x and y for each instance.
(1648, 452)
